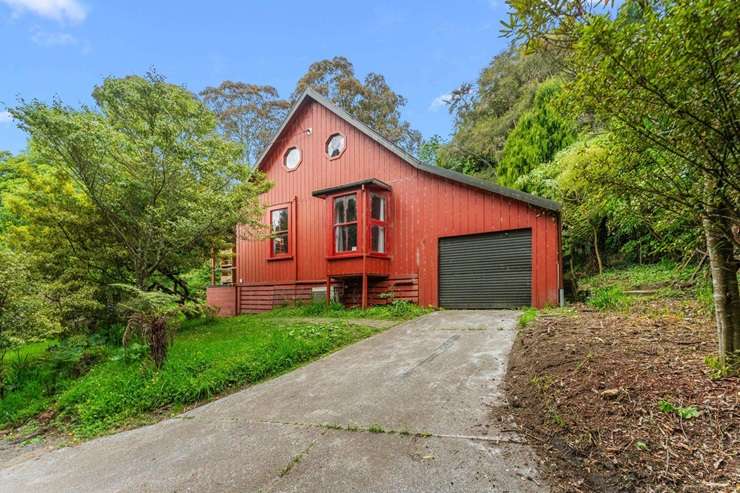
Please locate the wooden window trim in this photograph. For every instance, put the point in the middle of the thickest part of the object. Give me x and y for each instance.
(289, 254)
(377, 222)
(357, 222)
(326, 145)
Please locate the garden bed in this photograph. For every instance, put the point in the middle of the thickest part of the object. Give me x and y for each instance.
(623, 400)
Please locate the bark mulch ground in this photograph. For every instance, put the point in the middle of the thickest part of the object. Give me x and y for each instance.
(586, 387)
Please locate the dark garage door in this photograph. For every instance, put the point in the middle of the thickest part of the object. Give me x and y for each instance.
(492, 270)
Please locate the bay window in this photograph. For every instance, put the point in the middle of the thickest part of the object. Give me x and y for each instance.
(358, 220)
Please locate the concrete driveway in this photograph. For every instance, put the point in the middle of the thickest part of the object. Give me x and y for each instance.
(405, 410)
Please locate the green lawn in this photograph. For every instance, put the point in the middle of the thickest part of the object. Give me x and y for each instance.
(207, 358)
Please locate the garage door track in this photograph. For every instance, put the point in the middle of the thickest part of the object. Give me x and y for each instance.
(405, 410)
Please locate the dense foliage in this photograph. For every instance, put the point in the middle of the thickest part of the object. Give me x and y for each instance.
(538, 134)
(149, 167)
(136, 192)
(485, 112)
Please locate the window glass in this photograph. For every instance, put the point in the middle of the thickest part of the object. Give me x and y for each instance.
(345, 224)
(292, 158)
(378, 239)
(279, 227)
(377, 207)
(345, 209)
(351, 208)
(280, 244)
(345, 238)
(335, 145)
(279, 220)
(339, 211)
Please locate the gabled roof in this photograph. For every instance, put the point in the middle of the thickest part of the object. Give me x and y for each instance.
(405, 156)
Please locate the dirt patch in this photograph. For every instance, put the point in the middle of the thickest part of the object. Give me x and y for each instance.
(586, 388)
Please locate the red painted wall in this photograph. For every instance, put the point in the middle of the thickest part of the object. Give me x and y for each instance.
(223, 298)
(423, 208)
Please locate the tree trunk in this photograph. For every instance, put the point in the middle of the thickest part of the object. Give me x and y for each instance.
(596, 250)
(724, 267)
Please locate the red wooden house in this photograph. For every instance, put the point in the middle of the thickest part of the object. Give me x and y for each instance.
(353, 216)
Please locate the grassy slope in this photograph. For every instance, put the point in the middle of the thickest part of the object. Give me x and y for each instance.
(207, 358)
(607, 290)
(29, 351)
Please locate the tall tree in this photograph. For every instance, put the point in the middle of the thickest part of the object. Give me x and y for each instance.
(247, 113)
(664, 76)
(372, 102)
(538, 134)
(153, 174)
(487, 110)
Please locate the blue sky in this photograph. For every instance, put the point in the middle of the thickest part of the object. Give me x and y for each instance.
(64, 47)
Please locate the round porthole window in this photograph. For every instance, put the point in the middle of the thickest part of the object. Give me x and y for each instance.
(292, 158)
(335, 145)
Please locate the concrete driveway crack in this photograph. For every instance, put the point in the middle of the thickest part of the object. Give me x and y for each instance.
(296, 460)
(439, 350)
(377, 429)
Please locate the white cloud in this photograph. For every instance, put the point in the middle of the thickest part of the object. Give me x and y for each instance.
(5, 117)
(43, 38)
(59, 10)
(440, 102)
(54, 39)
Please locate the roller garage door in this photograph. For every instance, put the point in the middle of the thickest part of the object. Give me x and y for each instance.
(491, 270)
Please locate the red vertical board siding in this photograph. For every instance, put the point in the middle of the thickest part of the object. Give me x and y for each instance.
(422, 208)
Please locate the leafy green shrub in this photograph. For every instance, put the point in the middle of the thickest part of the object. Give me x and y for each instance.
(401, 309)
(609, 298)
(528, 316)
(719, 370)
(688, 412)
(130, 353)
(74, 356)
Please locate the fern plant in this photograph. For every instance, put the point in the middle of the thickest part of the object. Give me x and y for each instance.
(151, 315)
